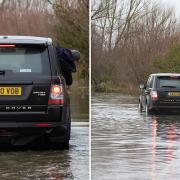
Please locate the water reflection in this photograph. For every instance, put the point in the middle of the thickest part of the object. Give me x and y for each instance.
(128, 145)
(154, 134)
(49, 164)
(35, 165)
(166, 128)
(171, 140)
(79, 98)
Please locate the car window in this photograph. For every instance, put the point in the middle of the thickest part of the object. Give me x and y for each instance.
(25, 59)
(150, 82)
(169, 82)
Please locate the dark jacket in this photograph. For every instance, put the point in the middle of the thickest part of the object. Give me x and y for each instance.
(67, 62)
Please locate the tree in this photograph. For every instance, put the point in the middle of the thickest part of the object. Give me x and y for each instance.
(71, 28)
(127, 36)
(170, 62)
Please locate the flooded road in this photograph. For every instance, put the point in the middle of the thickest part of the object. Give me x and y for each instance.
(50, 165)
(127, 145)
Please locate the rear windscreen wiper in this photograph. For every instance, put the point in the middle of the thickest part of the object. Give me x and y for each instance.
(169, 86)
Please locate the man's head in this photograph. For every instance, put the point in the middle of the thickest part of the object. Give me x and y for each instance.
(76, 54)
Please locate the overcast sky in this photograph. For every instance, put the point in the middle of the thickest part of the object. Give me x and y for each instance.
(172, 3)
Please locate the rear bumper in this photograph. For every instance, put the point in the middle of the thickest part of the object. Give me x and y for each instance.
(18, 133)
(52, 124)
(43, 125)
(166, 107)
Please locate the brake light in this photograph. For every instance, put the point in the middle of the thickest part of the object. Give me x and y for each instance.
(56, 95)
(7, 45)
(56, 102)
(56, 89)
(154, 95)
(43, 125)
(174, 77)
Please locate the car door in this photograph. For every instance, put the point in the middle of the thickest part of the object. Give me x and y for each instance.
(146, 91)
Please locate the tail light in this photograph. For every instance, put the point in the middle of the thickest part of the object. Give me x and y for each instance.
(154, 95)
(7, 46)
(43, 125)
(56, 95)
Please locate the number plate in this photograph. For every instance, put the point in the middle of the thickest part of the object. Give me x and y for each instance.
(174, 93)
(10, 91)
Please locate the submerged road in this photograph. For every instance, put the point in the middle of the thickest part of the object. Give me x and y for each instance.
(127, 145)
(50, 164)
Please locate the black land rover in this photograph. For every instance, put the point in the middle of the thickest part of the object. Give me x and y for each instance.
(33, 98)
(160, 94)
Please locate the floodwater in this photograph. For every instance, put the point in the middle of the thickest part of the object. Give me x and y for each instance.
(54, 164)
(49, 164)
(127, 145)
(79, 99)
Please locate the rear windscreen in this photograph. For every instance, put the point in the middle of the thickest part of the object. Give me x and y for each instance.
(168, 82)
(29, 59)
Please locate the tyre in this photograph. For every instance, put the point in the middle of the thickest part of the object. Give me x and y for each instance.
(60, 141)
(140, 107)
(63, 142)
(61, 145)
(65, 145)
(147, 110)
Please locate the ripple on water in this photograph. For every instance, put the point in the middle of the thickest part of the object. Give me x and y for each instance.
(129, 145)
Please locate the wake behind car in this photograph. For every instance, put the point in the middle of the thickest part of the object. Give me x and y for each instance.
(33, 99)
(161, 93)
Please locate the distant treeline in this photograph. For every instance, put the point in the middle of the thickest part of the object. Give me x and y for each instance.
(130, 39)
(66, 21)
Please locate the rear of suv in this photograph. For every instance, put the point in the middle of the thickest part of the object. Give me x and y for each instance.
(160, 94)
(33, 97)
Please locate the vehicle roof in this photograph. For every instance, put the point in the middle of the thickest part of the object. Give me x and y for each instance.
(165, 74)
(25, 40)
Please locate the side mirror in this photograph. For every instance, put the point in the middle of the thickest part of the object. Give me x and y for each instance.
(142, 86)
(76, 54)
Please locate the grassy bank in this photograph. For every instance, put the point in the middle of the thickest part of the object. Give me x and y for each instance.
(122, 88)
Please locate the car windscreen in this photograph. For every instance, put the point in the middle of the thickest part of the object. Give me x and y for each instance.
(168, 82)
(25, 59)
